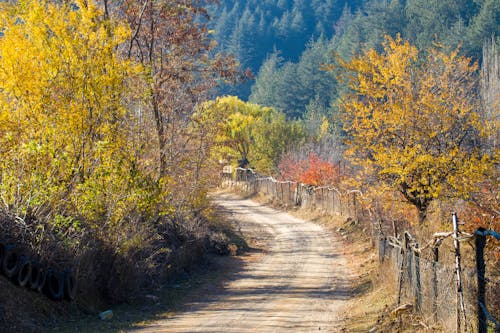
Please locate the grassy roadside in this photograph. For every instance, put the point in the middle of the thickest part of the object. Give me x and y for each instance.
(373, 296)
(206, 277)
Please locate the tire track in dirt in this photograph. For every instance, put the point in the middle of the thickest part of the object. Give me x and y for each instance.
(300, 284)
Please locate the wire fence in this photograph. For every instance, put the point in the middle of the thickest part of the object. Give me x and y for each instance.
(444, 294)
(452, 296)
(430, 286)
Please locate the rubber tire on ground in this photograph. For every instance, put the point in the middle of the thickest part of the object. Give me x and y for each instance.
(36, 276)
(44, 271)
(54, 285)
(10, 262)
(24, 273)
(69, 285)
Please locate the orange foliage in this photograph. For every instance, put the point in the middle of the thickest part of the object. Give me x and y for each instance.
(312, 171)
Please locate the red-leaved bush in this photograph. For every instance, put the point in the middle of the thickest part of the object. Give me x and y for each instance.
(312, 171)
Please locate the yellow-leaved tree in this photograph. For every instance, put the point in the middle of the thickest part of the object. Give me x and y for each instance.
(235, 136)
(251, 135)
(414, 123)
(63, 125)
(103, 147)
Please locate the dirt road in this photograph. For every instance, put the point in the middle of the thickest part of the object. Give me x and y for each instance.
(297, 284)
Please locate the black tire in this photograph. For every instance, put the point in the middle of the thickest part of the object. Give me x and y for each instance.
(54, 285)
(43, 272)
(24, 272)
(10, 262)
(69, 286)
(36, 275)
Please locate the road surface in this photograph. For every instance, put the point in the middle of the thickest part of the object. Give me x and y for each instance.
(298, 284)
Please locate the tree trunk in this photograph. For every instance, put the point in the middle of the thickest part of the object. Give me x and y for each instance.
(422, 214)
(419, 200)
(160, 131)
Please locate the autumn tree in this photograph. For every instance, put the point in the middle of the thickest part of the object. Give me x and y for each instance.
(100, 124)
(313, 170)
(62, 122)
(251, 135)
(413, 122)
(272, 136)
(236, 135)
(171, 40)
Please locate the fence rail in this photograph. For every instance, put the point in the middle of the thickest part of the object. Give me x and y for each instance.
(444, 294)
(290, 193)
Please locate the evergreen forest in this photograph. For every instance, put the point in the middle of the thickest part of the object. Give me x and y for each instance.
(284, 42)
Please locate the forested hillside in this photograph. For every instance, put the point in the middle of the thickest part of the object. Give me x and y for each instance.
(252, 29)
(285, 42)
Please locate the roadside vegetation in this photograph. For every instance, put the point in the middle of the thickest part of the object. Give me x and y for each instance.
(104, 155)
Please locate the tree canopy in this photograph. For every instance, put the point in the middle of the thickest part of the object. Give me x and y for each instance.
(413, 121)
(252, 135)
(100, 124)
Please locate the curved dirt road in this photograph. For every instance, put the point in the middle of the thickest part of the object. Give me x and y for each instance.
(299, 284)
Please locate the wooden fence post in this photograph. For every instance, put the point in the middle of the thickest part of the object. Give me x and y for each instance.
(381, 247)
(333, 202)
(400, 272)
(418, 286)
(458, 269)
(435, 261)
(297, 189)
(482, 325)
(246, 181)
(290, 199)
(395, 228)
(409, 256)
(322, 198)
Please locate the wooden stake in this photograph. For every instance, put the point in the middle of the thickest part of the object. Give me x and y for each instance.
(458, 269)
(418, 285)
(402, 264)
(481, 282)
(435, 279)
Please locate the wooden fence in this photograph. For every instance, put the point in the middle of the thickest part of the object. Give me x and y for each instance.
(437, 287)
(289, 193)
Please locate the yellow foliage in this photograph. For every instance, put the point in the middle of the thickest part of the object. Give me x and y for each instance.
(239, 119)
(413, 122)
(63, 129)
(323, 129)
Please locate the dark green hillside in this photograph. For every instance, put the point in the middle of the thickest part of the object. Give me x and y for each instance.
(253, 29)
(284, 42)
